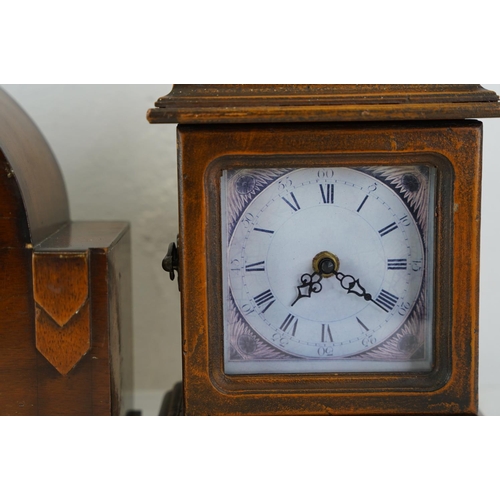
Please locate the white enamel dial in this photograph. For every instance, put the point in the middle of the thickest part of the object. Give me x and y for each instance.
(282, 312)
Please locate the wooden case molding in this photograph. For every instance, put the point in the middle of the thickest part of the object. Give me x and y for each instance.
(65, 325)
(202, 104)
(235, 125)
(62, 317)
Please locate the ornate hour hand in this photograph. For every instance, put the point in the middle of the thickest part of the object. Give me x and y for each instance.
(310, 284)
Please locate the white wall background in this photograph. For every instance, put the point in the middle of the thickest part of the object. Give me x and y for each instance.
(119, 167)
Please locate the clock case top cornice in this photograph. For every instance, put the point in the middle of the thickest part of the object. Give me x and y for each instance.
(210, 103)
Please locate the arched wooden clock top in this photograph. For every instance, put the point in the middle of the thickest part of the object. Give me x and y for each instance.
(27, 160)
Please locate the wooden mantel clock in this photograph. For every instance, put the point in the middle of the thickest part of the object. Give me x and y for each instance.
(65, 292)
(329, 248)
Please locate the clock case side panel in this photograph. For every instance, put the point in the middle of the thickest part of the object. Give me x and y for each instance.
(453, 147)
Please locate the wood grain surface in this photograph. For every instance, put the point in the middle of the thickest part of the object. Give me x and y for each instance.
(65, 325)
(28, 158)
(453, 147)
(202, 104)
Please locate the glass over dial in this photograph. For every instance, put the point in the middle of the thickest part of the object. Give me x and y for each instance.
(327, 269)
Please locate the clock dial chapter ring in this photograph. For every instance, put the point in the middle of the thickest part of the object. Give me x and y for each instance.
(299, 233)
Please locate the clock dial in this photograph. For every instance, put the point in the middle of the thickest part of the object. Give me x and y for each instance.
(327, 269)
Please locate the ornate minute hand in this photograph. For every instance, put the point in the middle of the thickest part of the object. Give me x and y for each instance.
(352, 285)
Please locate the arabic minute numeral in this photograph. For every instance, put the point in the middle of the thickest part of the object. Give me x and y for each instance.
(369, 341)
(326, 173)
(247, 309)
(247, 220)
(326, 351)
(405, 220)
(285, 184)
(235, 265)
(281, 339)
(416, 265)
(404, 308)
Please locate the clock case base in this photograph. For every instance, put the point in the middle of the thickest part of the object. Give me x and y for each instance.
(173, 403)
(453, 147)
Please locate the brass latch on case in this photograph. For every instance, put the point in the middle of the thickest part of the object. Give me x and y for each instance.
(170, 262)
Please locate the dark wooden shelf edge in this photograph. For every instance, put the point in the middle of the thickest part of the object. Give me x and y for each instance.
(333, 93)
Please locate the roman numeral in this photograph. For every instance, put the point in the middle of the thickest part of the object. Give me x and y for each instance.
(288, 321)
(386, 300)
(327, 193)
(263, 298)
(362, 324)
(258, 266)
(263, 230)
(294, 204)
(326, 332)
(388, 229)
(397, 264)
(362, 203)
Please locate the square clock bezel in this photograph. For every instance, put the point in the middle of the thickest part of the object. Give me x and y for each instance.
(313, 163)
(208, 390)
